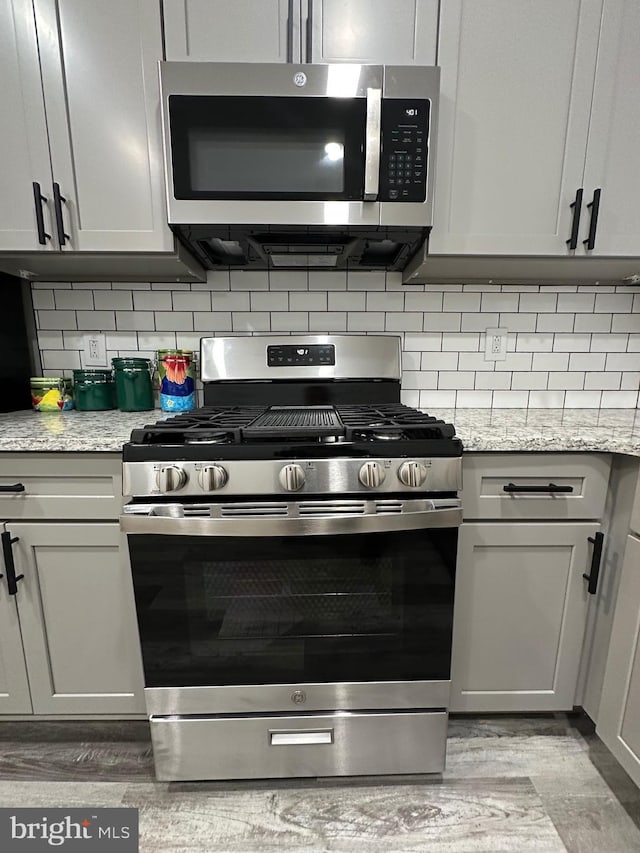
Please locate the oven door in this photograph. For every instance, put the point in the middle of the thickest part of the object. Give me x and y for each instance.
(245, 142)
(326, 605)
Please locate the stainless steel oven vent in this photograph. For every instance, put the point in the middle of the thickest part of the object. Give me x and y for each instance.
(255, 510)
(332, 508)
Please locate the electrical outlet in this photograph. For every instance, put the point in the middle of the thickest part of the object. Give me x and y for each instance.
(495, 345)
(95, 351)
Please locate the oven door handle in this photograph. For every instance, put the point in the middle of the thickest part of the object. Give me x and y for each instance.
(256, 526)
(372, 145)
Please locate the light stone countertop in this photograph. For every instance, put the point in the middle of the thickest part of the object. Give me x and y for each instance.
(604, 430)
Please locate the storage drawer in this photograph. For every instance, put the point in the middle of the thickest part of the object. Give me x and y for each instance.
(502, 485)
(60, 485)
(299, 745)
(634, 523)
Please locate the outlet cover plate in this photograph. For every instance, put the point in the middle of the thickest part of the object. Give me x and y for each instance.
(495, 344)
(95, 351)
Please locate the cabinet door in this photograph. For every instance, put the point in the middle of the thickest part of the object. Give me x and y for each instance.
(14, 687)
(519, 618)
(242, 31)
(613, 152)
(24, 149)
(515, 96)
(619, 714)
(78, 620)
(390, 32)
(100, 79)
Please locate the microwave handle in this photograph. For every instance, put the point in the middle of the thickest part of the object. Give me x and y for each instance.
(372, 145)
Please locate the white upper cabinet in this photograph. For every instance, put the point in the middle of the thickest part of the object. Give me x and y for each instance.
(242, 31)
(23, 134)
(400, 32)
(100, 81)
(613, 151)
(389, 32)
(516, 89)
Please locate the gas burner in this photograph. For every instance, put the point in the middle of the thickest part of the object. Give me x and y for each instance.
(210, 438)
(378, 435)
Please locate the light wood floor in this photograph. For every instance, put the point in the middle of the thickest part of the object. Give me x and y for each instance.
(543, 783)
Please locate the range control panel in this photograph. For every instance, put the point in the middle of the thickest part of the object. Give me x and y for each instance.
(291, 356)
(403, 158)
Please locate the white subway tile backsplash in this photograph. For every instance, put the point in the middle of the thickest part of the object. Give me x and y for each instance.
(385, 301)
(74, 299)
(346, 301)
(555, 322)
(43, 299)
(192, 301)
(212, 321)
(327, 280)
(365, 321)
(586, 361)
(327, 321)
(113, 300)
(56, 320)
(566, 345)
(473, 399)
(550, 361)
(153, 301)
(518, 322)
(455, 379)
(583, 399)
(308, 301)
(410, 398)
(576, 302)
(463, 342)
(289, 321)
(135, 320)
(565, 381)
(603, 381)
(442, 322)
(529, 380)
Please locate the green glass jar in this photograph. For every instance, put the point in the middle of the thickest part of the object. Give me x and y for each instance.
(94, 390)
(134, 391)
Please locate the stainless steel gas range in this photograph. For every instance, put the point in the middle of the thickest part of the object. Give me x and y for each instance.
(293, 551)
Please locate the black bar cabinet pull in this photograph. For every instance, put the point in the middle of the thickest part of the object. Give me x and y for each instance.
(16, 487)
(310, 32)
(594, 205)
(552, 488)
(572, 242)
(596, 558)
(290, 31)
(39, 200)
(10, 566)
(58, 198)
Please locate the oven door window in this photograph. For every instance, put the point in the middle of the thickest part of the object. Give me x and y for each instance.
(222, 611)
(278, 148)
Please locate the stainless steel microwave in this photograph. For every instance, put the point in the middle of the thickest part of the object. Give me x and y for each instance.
(337, 150)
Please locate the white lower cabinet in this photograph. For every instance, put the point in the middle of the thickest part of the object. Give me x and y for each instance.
(619, 713)
(74, 616)
(520, 613)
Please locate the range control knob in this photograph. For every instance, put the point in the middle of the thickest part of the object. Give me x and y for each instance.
(372, 474)
(412, 473)
(292, 478)
(170, 478)
(213, 477)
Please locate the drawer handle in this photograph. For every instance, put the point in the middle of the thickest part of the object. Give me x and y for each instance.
(550, 489)
(7, 553)
(299, 737)
(16, 487)
(596, 559)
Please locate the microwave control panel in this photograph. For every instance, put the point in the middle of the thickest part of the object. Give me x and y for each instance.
(403, 158)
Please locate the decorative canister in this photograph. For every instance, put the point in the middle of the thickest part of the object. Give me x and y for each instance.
(94, 390)
(177, 378)
(51, 393)
(134, 391)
